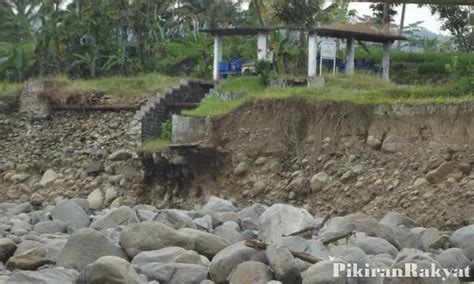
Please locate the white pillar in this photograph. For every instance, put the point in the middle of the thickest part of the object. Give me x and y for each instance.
(312, 53)
(350, 56)
(218, 45)
(386, 61)
(262, 46)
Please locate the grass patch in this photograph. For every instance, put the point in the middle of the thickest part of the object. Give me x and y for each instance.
(154, 145)
(242, 84)
(124, 88)
(361, 89)
(7, 88)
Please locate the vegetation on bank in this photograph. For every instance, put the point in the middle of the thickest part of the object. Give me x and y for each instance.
(154, 145)
(361, 88)
(124, 89)
(6, 88)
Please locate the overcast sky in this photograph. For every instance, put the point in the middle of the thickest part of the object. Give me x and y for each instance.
(413, 14)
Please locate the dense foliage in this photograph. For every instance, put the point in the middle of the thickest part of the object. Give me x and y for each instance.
(91, 38)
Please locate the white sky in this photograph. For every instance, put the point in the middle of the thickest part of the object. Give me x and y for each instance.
(413, 14)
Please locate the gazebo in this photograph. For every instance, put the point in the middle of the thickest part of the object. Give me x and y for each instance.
(219, 35)
(361, 32)
(349, 32)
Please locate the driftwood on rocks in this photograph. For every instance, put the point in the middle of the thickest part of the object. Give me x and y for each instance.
(312, 229)
(260, 245)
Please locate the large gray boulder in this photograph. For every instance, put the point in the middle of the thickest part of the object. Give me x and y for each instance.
(169, 273)
(283, 264)
(228, 233)
(323, 272)
(109, 269)
(313, 247)
(228, 258)
(7, 248)
(432, 238)
(50, 227)
(33, 256)
(282, 219)
(50, 275)
(349, 254)
(170, 255)
(396, 219)
(423, 261)
(116, 217)
(405, 237)
(175, 219)
(253, 212)
(453, 258)
(86, 246)
(357, 222)
(374, 246)
(71, 213)
(217, 204)
(152, 236)
(463, 238)
(205, 243)
(250, 272)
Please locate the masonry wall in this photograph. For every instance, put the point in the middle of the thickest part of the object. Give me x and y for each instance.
(186, 96)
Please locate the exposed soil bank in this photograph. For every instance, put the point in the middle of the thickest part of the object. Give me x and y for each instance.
(412, 159)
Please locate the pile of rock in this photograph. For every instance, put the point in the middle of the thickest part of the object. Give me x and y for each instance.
(347, 175)
(70, 155)
(71, 242)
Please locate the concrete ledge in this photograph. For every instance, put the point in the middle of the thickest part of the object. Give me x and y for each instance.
(188, 129)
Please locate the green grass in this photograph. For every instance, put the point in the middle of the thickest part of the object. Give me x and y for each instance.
(6, 88)
(153, 145)
(124, 87)
(361, 89)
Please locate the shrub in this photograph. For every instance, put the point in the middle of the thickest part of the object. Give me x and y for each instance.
(263, 69)
(166, 130)
(431, 68)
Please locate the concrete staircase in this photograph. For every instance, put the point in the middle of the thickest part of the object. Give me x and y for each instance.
(147, 121)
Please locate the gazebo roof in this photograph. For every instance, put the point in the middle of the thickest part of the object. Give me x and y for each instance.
(361, 32)
(239, 31)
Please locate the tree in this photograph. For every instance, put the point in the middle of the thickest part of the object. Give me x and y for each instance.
(457, 20)
(17, 17)
(377, 12)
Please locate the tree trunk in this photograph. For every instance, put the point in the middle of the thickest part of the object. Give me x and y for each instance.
(402, 22)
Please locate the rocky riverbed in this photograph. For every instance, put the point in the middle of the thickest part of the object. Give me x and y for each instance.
(216, 243)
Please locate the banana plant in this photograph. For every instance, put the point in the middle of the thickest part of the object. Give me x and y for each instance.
(16, 64)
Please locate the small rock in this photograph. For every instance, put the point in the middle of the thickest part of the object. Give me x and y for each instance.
(241, 169)
(36, 199)
(318, 181)
(120, 155)
(96, 199)
(48, 177)
(439, 174)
